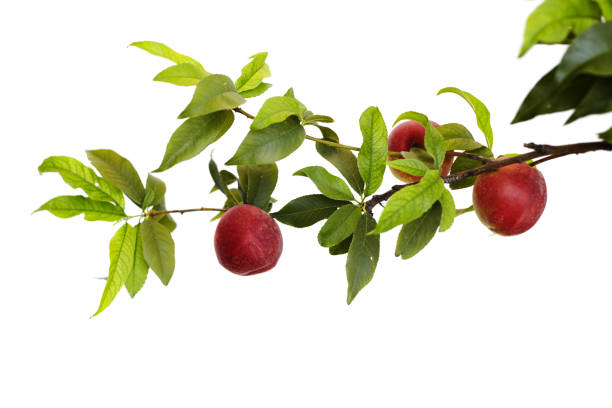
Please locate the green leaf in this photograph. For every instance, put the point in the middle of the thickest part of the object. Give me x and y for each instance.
(182, 74)
(340, 225)
(253, 73)
(70, 206)
(412, 115)
(270, 144)
(318, 119)
(118, 171)
(607, 135)
(434, 144)
(554, 20)
(341, 248)
(597, 100)
(416, 234)
(260, 183)
(344, 160)
(457, 137)
(411, 202)
(121, 251)
(154, 192)
(362, 257)
(328, 184)
(220, 182)
(483, 117)
(277, 109)
(372, 157)
(589, 53)
(548, 96)
(606, 8)
(411, 166)
(261, 88)
(421, 155)
(227, 178)
(448, 210)
(164, 51)
(213, 93)
(229, 203)
(290, 93)
(166, 219)
(194, 135)
(307, 210)
(158, 249)
(138, 273)
(77, 175)
(462, 164)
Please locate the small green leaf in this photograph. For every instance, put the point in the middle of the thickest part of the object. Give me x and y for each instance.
(277, 109)
(260, 183)
(416, 234)
(589, 53)
(227, 178)
(318, 119)
(328, 184)
(164, 51)
(412, 115)
(340, 225)
(261, 88)
(270, 144)
(457, 137)
(344, 160)
(554, 20)
(118, 171)
(362, 257)
(421, 155)
(70, 206)
(434, 144)
(448, 210)
(372, 157)
(194, 135)
(140, 269)
(290, 93)
(158, 249)
(182, 74)
(411, 202)
(597, 100)
(219, 181)
(121, 251)
(607, 135)
(77, 175)
(307, 210)
(463, 163)
(213, 93)
(253, 73)
(483, 117)
(154, 192)
(166, 219)
(411, 166)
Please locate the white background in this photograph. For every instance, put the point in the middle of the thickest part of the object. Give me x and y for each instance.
(475, 320)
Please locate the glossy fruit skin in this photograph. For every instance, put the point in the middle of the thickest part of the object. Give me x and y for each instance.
(511, 199)
(248, 240)
(405, 136)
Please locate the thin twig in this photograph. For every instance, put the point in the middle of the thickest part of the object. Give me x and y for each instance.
(467, 155)
(164, 212)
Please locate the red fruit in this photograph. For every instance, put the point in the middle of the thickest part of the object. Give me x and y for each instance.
(248, 240)
(511, 199)
(405, 136)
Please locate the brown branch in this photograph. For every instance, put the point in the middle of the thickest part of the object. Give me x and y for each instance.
(164, 212)
(482, 159)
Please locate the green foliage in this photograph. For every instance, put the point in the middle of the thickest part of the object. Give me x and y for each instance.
(596, 100)
(227, 177)
(412, 115)
(138, 273)
(362, 256)
(70, 206)
(182, 74)
(340, 225)
(166, 219)
(213, 93)
(411, 202)
(77, 175)
(253, 74)
(411, 166)
(121, 249)
(607, 135)
(415, 235)
(343, 159)
(270, 144)
(164, 51)
(313, 119)
(421, 155)
(589, 53)
(307, 210)
(372, 157)
(194, 135)
(457, 137)
(606, 8)
(118, 171)
(277, 109)
(342, 247)
(328, 184)
(448, 210)
(435, 144)
(220, 182)
(483, 117)
(154, 191)
(259, 182)
(261, 88)
(158, 249)
(462, 163)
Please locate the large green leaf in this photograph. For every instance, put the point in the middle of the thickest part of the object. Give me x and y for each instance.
(260, 183)
(328, 184)
(70, 206)
(307, 210)
(412, 115)
(343, 159)
(164, 51)
(213, 93)
(449, 211)
(340, 225)
(483, 117)
(154, 191)
(372, 157)
(194, 135)
(277, 109)
(416, 234)
(138, 274)
(261, 88)
(77, 175)
(182, 74)
(555, 20)
(411, 202)
(463, 163)
(121, 251)
(362, 257)
(118, 171)
(457, 137)
(253, 73)
(270, 144)
(589, 53)
(158, 249)
(597, 100)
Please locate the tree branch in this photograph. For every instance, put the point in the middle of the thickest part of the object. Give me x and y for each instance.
(164, 212)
